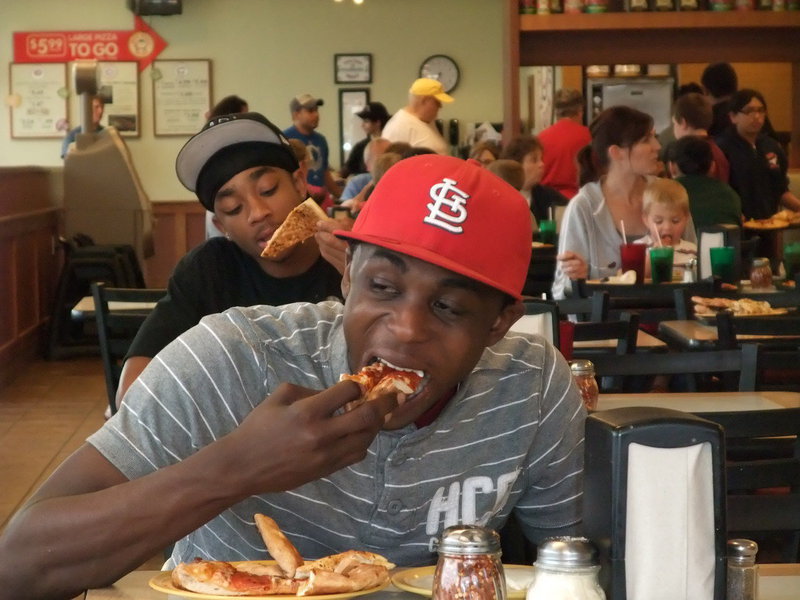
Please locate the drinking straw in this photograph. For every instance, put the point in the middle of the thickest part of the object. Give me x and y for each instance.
(550, 211)
(658, 237)
(624, 237)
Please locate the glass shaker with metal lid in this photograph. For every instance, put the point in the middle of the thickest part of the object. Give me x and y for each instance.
(742, 570)
(761, 274)
(566, 568)
(583, 372)
(469, 566)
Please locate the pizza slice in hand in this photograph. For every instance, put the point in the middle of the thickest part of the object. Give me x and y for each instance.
(382, 377)
(299, 225)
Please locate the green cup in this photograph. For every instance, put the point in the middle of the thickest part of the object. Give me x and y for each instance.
(791, 261)
(661, 264)
(722, 263)
(547, 232)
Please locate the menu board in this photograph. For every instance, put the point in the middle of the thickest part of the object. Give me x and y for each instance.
(119, 84)
(181, 95)
(38, 100)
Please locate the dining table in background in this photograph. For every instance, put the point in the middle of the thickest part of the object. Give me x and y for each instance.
(776, 582)
(84, 309)
(703, 402)
(693, 334)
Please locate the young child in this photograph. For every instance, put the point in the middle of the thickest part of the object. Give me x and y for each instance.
(665, 211)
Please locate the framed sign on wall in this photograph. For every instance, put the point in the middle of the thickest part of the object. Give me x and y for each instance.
(38, 100)
(352, 68)
(119, 84)
(181, 95)
(351, 101)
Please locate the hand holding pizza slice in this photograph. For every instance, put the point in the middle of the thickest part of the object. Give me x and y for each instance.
(381, 377)
(299, 225)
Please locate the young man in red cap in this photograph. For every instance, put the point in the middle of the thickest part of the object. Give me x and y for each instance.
(230, 420)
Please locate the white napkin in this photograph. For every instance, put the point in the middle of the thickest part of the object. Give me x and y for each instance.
(669, 544)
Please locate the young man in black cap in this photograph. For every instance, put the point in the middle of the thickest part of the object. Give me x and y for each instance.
(245, 413)
(373, 118)
(244, 170)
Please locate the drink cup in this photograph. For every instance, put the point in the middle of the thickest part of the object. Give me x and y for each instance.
(791, 261)
(632, 258)
(722, 263)
(547, 231)
(661, 264)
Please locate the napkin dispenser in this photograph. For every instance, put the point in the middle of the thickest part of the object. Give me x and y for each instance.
(654, 503)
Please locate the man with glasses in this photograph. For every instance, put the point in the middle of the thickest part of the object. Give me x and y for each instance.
(414, 123)
(758, 163)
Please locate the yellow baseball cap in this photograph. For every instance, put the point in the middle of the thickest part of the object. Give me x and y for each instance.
(430, 87)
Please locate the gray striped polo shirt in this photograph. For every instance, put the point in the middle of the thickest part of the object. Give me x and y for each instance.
(511, 438)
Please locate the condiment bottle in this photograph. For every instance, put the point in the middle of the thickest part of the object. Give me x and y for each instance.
(742, 570)
(761, 274)
(469, 565)
(566, 567)
(583, 372)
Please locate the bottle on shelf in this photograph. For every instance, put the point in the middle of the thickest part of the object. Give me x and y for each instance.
(527, 7)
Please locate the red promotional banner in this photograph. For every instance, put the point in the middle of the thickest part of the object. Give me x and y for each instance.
(141, 45)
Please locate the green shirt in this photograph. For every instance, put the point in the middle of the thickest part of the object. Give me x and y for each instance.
(711, 201)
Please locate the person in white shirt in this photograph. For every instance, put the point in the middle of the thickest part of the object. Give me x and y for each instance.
(415, 122)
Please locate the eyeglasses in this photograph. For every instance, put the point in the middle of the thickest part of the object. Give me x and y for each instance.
(754, 110)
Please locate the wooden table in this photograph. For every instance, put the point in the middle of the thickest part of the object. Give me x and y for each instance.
(700, 402)
(696, 335)
(776, 582)
(644, 342)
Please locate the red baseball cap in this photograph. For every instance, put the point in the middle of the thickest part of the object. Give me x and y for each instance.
(454, 214)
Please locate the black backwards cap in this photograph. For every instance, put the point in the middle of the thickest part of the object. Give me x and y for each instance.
(227, 145)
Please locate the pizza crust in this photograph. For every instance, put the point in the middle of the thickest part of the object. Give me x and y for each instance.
(299, 225)
(278, 545)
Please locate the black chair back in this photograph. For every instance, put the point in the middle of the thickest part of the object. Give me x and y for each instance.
(117, 328)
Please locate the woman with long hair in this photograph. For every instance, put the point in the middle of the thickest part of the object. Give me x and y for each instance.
(614, 170)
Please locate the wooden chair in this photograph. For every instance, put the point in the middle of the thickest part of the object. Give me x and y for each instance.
(779, 357)
(594, 308)
(654, 303)
(541, 271)
(743, 361)
(763, 476)
(117, 328)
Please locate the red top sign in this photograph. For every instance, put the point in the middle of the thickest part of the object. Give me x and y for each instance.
(141, 45)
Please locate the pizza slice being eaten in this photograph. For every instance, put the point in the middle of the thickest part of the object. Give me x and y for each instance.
(300, 224)
(382, 377)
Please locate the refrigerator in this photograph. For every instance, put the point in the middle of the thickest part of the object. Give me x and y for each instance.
(652, 95)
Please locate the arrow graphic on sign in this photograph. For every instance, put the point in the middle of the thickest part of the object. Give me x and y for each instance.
(141, 45)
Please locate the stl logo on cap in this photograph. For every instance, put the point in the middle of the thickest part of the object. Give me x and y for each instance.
(448, 209)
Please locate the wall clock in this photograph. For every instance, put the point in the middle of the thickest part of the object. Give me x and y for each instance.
(442, 68)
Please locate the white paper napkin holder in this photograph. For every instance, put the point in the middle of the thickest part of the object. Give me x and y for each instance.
(612, 437)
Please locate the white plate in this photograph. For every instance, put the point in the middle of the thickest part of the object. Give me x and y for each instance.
(420, 580)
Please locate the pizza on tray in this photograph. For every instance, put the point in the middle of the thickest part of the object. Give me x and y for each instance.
(346, 572)
(708, 307)
(300, 224)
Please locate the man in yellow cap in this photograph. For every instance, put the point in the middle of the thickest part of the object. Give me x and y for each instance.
(414, 123)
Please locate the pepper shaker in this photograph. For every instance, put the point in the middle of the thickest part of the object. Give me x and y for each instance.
(742, 570)
(469, 566)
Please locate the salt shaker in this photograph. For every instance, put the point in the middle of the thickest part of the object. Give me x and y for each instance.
(761, 274)
(742, 570)
(566, 567)
(469, 566)
(583, 372)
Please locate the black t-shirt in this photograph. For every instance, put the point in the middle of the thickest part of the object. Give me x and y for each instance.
(216, 276)
(355, 160)
(758, 174)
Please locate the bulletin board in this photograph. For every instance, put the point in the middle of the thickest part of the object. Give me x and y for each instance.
(119, 84)
(38, 100)
(181, 96)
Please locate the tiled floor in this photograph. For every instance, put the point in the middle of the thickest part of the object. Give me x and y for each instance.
(46, 412)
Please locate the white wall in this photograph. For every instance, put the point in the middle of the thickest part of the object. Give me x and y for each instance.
(266, 51)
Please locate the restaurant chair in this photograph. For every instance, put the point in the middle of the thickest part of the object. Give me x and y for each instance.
(594, 308)
(710, 363)
(541, 271)
(779, 337)
(763, 476)
(541, 317)
(117, 328)
(716, 236)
